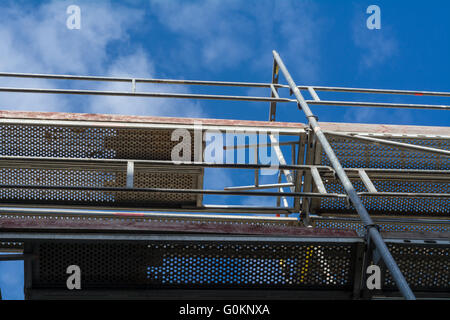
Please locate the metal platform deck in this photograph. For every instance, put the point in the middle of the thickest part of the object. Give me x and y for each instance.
(216, 262)
(93, 190)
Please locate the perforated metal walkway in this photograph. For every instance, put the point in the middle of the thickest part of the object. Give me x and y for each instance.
(233, 260)
(143, 255)
(103, 192)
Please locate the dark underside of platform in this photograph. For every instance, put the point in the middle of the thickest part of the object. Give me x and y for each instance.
(189, 260)
(83, 190)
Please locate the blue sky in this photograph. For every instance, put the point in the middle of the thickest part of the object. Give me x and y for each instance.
(322, 43)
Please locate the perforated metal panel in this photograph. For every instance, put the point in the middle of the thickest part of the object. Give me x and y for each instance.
(425, 267)
(196, 265)
(73, 221)
(356, 154)
(104, 143)
(96, 176)
(384, 226)
(391, 205)
(86, 142)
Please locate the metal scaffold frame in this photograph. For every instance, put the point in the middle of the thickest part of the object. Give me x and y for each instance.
(305, 180)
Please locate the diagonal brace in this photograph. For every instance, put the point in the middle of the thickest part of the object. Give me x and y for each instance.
(373, 233)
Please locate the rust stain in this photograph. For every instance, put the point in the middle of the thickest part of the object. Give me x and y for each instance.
(326, 126)
(140, 119)
(123, 225)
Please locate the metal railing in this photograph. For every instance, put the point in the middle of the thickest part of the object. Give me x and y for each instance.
(294, 178)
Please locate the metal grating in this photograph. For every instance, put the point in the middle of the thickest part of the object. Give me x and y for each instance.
(384, 226)
(355, 154)
(197, 265)
(217, 261)
(86, 142)
(95, 176)
(425, 267)
(147, 220)
(391, 205)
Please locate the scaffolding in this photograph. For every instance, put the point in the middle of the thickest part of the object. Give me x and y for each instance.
(76, 187)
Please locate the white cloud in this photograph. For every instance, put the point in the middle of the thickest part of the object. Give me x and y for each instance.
(216, 27)
(36, 40)
(139, 65)
(377, 46)
(229, 33)
(39, 41)
(375, 49)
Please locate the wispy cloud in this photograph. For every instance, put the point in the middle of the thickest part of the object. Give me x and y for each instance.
(223, 34)
(36, 40)
(376, 46)
(138, 64)
(39, 41)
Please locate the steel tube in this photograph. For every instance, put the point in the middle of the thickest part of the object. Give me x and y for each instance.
(366, 180)
(222, 83)
(318, 181)
(377, 104)
(140, 80)
(350, 190)
(290, 177)
(165, 190)
(124, 214)
(261, 186)
(166, 163)
(378, 91)
(248, 146)
(145, 94)
(139, 212)
(407, 146)
(219, 97)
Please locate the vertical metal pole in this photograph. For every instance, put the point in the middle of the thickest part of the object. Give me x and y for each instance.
(256, 170)
(373, 232)
(290, 177)
(273, 92)
(130, 174)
